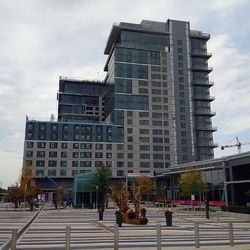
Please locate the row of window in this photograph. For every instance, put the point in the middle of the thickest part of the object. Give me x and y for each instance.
(66, 145)
(63, 172)
(89, 164)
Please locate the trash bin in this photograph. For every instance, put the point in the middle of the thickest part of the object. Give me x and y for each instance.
(119, 218)
(169, 217)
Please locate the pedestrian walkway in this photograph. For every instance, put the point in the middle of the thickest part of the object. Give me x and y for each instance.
(48, 231)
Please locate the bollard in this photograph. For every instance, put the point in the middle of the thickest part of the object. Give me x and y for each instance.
(231, 234)
(116, 235)
(13, 239)
(67, 241)
(158, 236)
(196, 234)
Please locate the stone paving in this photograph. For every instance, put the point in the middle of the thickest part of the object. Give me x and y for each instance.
(48, 230)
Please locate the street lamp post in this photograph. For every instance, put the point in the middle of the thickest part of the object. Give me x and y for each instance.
(96, 203)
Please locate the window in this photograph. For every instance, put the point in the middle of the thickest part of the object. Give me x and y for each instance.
(75, 145)
(53, 145)
(98, 155)
(130, 139)
(156, 91)
(75, 154)
(40, 172)
(29, 154)
(41, 144)
(53, 154)
(98, 164)
(64, 154)
(144, 156)
(85, 154)
(99, 146)
(108, 146)
(145, 164)
(120, 164)
(143, 83)
(179, 50)
(120, 146)
(143, 131)
(63, 172)
(156, 99)
(30, 144)
(52, 163)
(130, 164)
(74, 172)
(179, 42)
(28, 163)
(64, 145)
(157, 140)
(120, 172)
(129, 113)
(130, 147)
(158, 156)
(51, 172)
(109, 163)
(156, 123)
(40, 153)
(144, 122)
(85, 164)
(129, 130)
(74, 164)
(120, 155)
(130, 155)
(63, 164)
(144, 139)
(40, 163)
(158, 165)
(143, 91)
(157, 148)
(143, 114)
(129, 121)
(86, 146)
(145, 147)
(108, 155)
(157, 132)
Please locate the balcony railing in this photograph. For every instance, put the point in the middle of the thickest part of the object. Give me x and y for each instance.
(200, 53)
(204, 97)
(202, 111)
(202, 67)
(199, 34)
(206, 128)
(204, 143)
(202, 82)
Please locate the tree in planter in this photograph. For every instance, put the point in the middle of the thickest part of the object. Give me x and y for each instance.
(102, 179)
(145, 184)
(120, 197)
(24, 189)
(191, 182)
(60, 195)
(16, 194)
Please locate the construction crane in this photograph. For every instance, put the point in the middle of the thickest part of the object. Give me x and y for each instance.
(238, 144)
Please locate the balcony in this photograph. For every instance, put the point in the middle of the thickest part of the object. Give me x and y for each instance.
(202, 67)
(203, 97)
(206, 143)
(204, 127)
(200, 53)
(199, 34)
(204, 111)
(203, 82)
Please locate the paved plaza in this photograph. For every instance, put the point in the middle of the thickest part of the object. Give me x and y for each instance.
(47, 231)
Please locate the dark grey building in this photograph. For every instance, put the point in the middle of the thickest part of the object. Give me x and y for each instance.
(227, 179)
(151, 111)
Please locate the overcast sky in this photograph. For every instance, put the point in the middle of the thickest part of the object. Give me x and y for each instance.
(43, 39)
